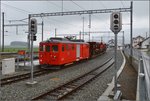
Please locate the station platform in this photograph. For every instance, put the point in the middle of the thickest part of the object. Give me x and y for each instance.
(127, 81)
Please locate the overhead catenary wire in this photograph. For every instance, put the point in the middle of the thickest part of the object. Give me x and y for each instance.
(122, 3)
(32, 12)
(22, 10)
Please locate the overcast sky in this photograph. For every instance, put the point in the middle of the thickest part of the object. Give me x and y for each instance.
(15, 10)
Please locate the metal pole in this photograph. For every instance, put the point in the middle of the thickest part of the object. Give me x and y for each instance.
(146, 34)
(31, 57)
(29, 36)
(55, 32)
(62, 5)
(2, 31)
(42, 29)
(89, 25)
(30, 49)
(80, 35)
(18, 61)
(83, 28)
(115, 55)
(131, 41)
(123, 41)
(24, 59)
(0, 34)
(16, 30)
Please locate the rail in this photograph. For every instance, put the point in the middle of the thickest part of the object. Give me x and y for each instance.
(66, 89)
(21, 77)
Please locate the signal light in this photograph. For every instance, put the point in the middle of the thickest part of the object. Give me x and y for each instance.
(116, 22)
(34, 38)
(33, 26)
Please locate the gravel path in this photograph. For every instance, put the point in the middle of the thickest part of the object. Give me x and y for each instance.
(20, 91)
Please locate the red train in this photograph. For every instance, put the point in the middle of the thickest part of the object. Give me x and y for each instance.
(61, 51)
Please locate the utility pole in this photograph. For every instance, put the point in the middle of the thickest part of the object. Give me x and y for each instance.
(16, 30)
(131, 40)
(62, 6)
(89, 25)
(123, 41)
(29, 17)
(146, 34)
(80, 35)
(101, 38)
(83, 28)
(42, 29)
(55, 32)
(2, 31)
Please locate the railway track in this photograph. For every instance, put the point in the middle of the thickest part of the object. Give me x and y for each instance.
(64, 90)
(17, 78)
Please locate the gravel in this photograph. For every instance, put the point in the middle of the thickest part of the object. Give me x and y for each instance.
(20, 91)
(93, 90)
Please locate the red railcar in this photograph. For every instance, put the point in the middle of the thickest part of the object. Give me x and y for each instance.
(96, 48)
(60, 51)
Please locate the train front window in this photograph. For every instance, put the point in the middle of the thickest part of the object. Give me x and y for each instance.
(55, 48)
(47, 49)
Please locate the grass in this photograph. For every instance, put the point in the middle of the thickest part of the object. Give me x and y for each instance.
(15, 49)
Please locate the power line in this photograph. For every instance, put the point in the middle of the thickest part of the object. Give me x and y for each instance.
(122, 3)
(57, 5)
(32, 12)
(16, 8)
(103, 4)
(78, 5)
(85, 9)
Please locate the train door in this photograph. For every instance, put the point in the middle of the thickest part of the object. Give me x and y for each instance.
(42, 57)
(78, 51)
(55, 54)
(47, 53)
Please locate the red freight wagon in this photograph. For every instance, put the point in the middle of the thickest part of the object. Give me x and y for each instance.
(60, 51)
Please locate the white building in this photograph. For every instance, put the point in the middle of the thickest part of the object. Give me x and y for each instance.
(145, 44)
(136, 41)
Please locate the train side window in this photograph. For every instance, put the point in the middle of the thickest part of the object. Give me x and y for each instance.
(63, 48)
(67, 47)
(55, 48)
(47, 48)
(41, 48)
(72, 47)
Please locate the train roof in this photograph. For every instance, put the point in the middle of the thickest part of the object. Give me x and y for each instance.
(63, 40)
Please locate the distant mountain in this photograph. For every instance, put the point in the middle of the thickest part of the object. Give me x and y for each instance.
(18, 44)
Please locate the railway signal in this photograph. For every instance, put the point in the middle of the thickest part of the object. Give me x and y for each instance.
(115, 26)
(32, 34)
(33, 26)
(116, 22)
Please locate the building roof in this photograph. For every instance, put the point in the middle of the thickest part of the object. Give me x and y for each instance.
(145, 39)
(139, 37)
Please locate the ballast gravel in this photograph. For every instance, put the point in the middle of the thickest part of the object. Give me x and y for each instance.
(21, 92)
